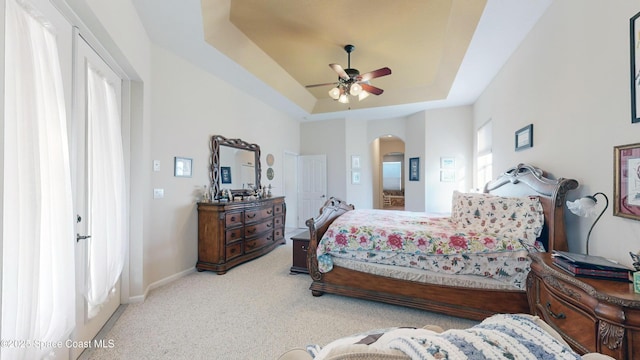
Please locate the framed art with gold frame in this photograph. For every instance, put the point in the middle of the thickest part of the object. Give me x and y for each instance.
(626, 182)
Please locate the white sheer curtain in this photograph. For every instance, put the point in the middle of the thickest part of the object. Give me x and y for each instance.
(38, 283)
(107, 191)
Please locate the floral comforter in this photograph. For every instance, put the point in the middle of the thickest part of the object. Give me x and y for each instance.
(413, 239)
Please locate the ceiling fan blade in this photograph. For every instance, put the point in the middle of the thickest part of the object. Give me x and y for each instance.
(374, 74)
(337, 68)
(371, 89)
(316, 85)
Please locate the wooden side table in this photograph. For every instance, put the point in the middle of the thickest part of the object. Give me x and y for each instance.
(592, 315)
(300, 246)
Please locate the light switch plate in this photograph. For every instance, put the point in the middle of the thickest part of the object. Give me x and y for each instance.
(158, 193)
(156, 165)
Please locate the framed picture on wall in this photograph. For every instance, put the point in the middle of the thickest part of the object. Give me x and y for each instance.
(414, 169)
(447, 175)
(447, 163)
(634, 39)
(182, 167)
(524, 138)
(626, 184)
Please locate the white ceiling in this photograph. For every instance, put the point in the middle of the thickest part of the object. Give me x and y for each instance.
(178, 26)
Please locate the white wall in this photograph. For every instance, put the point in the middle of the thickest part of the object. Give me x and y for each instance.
(188, 106)
(570, 79)
(449, 133)
(357, 145)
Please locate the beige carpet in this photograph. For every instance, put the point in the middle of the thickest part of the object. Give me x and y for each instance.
(255, 311)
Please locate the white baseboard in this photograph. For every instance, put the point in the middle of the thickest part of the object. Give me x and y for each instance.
(159, 283)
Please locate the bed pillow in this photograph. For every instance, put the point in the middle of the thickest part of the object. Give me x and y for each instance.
(522, 217)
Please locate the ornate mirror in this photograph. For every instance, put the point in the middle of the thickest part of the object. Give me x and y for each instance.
(235, 165)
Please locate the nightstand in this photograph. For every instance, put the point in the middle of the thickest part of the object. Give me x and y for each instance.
(592, 315)
(300, 246)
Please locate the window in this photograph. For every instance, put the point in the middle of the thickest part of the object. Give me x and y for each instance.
(484, 155)
(392, 175)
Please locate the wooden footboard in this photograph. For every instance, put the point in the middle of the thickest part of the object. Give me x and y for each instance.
(472, 303)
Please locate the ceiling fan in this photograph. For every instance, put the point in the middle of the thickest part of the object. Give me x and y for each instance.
(350, 82)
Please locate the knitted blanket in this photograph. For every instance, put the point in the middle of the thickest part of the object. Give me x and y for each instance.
(502, 336)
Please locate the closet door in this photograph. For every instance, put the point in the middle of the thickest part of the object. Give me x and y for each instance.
(95, 83)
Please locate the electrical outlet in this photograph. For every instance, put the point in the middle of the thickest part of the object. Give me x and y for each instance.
(156, 165)
(158, 193)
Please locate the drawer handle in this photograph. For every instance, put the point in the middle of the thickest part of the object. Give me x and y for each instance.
(554, 315)
(269, 212)
(251, 231)
(269, 225)
(251, 216)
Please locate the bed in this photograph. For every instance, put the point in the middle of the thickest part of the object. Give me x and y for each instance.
(469, 296)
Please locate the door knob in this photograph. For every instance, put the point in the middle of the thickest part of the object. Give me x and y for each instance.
(82, 237)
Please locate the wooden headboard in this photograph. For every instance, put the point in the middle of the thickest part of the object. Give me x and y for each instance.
(522, 180)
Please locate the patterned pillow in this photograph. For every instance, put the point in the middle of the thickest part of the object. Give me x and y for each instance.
(522, 217)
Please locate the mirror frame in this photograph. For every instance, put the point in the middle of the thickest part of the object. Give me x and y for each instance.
(214, 171)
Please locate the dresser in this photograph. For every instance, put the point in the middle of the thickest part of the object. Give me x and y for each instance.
(231, 233)
(592, 315)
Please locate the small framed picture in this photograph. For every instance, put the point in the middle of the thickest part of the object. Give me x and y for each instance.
(447, 175)
(182, 167)
(447, 163)
(355, 161)
(355, 177)
(524, 138)
(225, 175)
(626, 184)
(414, 169)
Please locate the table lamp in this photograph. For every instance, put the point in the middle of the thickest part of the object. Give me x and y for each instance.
(586, 207)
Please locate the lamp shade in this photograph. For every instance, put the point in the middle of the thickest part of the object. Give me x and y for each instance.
(355, 89)
(334, 93)
(585, 206)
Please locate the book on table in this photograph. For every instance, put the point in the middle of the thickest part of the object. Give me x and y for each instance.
(590, 266)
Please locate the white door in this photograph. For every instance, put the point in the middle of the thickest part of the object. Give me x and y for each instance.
(290, 170)
(86, 327)
(312, 186)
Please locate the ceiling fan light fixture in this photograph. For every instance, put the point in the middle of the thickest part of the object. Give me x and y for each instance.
(335, 93)
(351, 82)
(355, 89)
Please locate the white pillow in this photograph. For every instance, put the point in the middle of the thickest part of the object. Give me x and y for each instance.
(522, 217)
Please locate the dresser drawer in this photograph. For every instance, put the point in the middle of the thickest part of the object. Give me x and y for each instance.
(255, 229)
(257, 214)
(233, 235)
(233, 250)
(278, 234)
(258, 242)
(566, 318)
(278, 209)
(233, 219)
(278, 221)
